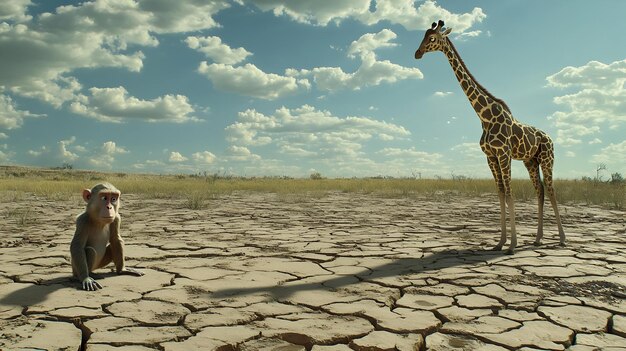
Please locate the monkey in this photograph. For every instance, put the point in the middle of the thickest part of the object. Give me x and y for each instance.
(97, 240)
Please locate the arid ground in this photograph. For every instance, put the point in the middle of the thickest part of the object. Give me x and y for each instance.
(340, 271)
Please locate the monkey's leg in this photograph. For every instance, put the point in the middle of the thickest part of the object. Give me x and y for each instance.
(106, 259)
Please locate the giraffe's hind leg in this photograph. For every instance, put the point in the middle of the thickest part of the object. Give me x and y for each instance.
(533, 171)
(547, 161)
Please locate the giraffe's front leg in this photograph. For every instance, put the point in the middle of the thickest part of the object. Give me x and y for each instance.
(494, 165)
(505, 169)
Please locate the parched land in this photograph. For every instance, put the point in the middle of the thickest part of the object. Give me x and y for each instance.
(337, 271)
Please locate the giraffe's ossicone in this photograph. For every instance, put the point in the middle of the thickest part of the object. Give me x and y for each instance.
(503, 139)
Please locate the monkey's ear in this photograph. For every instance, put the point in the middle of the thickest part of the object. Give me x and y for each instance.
(86, 195)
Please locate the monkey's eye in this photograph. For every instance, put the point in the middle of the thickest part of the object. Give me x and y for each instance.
(113, 200)
(103, 198)
(432, 39)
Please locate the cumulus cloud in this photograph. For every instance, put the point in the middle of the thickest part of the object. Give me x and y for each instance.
(401, 12)
(14, 10)
(613, 154)
(371, 72)
(114, 105)
(369, 42)
(10, 116)
(251, 81)
(203, 157)
(599, 100)
(58, 154)
(412, 156)
(69, 151)
(3, 136)
(442, 93)
(104, 157)
(39, 55)
(316, 137)
(177, 157)
(213, 48)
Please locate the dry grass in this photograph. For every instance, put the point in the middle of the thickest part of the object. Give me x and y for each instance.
(197, 190)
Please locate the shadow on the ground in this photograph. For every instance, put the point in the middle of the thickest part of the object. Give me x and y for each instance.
(35, 293)
(399, 267)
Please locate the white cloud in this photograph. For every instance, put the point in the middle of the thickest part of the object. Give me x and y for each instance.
(39, 55)
(371, 72)
(14, 10)
(412, 156)
(442, 93)
(60, 153)
(110, 148)
(241, 153)
(251, 81)
(369, 42)
(204, 157)
(401, 12)
(177, 157)
(317, 138)
(213, 48)
(613, 155)
(469, 151)
(168, 16)
(3, 136)
(5, 154)
(114, 105)
(598, 103)
(104, 158)
(10, 116)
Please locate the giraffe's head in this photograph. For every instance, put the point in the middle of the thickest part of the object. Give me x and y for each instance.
(434, 39)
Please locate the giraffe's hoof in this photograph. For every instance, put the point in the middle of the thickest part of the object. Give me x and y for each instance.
(497, 248)
(562, 243)
(537, 243)
(510, 251)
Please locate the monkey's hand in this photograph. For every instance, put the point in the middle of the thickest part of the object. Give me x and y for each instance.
(90, 284)
(131, 271)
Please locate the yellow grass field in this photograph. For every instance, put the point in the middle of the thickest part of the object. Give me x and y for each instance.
(65, 184)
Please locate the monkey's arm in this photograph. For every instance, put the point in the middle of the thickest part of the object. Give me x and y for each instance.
(117, 250)
(117, 245)
(80, 267)
(77, 251)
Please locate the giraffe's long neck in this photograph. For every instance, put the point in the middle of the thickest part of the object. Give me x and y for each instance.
(487, 106)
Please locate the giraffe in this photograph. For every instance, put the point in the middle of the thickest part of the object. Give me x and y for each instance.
(503, 139)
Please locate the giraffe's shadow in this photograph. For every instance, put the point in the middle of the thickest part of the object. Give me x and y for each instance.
(397, 268)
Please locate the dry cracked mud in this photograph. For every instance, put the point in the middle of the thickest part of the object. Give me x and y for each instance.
(257, 271)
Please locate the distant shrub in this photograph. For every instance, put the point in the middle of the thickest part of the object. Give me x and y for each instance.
(316, 176)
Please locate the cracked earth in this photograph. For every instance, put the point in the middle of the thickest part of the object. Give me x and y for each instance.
(338, 272)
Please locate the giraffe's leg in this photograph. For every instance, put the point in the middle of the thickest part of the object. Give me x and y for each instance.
(494, 165)
(533, 171)
(505, 169)
(546, 167)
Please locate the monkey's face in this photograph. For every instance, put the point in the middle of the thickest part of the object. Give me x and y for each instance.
(103, 205)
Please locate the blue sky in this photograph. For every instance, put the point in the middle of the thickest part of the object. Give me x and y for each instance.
(270, 87)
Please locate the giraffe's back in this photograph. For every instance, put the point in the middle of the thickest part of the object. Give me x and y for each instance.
(527, 141)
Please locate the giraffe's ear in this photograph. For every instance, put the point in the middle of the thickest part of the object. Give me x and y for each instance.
(446, 32)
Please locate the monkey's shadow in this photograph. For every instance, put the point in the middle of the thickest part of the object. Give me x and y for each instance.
(397, 268)
(37, 293)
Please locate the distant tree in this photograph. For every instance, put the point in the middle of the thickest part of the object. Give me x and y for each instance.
(600, 167)
(316, 175)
